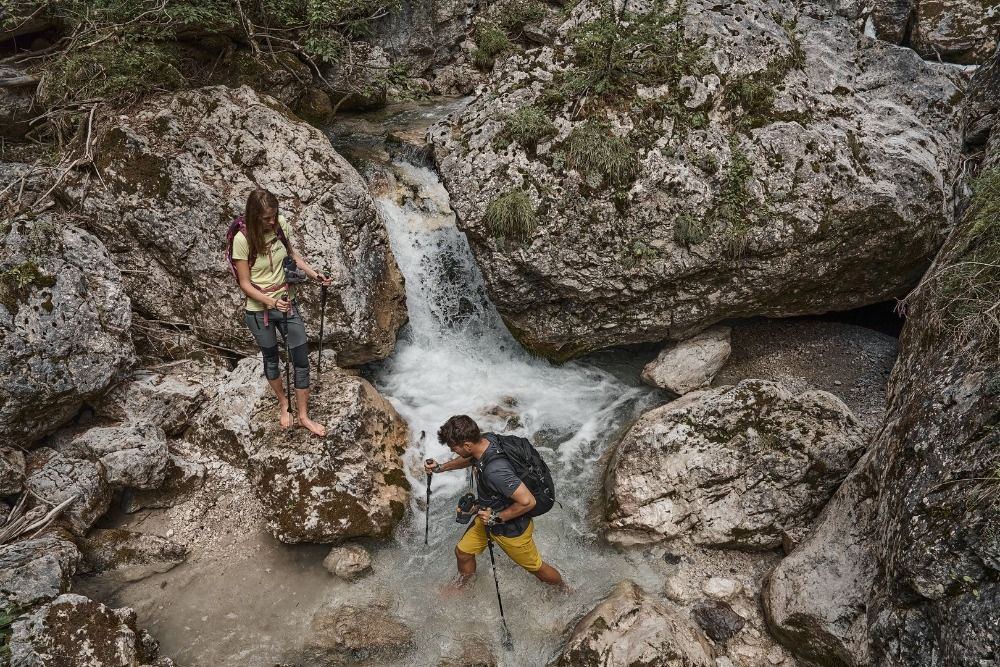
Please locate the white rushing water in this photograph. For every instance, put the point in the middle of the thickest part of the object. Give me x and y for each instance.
(456, 357)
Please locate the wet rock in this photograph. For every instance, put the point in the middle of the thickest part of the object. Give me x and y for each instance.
(196, 155)
(718, 588)
(129, 555)
(690, 364)
(54, 477)
(64, 320)
(182, 479)
(730, 467)
(630, 629)
(166, 399)
(132, 456)
(655, 250)
(718, 620)
(11, 471)
(351, 635)
(958, 31)
(36, 570)
(347, 562)
(74, 630)
(348, 484)
(460, 79)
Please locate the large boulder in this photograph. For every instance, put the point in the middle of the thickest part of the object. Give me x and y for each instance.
(958, 31)
(742, 466)
(35, 571)
(72, 631)
(194, 157)
(53, 478)
(64, 325)
(347, 484)
(129, 555)
(631, 629)
(223, 426)
(752, 168)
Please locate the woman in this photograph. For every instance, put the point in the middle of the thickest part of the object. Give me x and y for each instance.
(258, 255)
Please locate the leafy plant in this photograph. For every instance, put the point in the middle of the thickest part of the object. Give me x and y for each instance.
(600, 156)
(690, 230)
(511, 217)
(737, 203)
(513, 15)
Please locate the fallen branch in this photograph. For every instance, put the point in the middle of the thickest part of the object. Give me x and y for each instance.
(19, 81)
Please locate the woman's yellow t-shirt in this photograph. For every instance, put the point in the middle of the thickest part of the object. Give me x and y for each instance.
(267, 267)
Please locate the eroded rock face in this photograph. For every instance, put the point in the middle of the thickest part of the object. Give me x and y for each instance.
(132, 456)
(690, 364)
(194, 157)
(357, 636)
(731, 207)
(630, 629)
(74, 630)
(348, 484)
(737, 466)
(64, 321)
(36, 571)
(11, 471)
(55, 477)
(166, 399)
(222, 426)
(904, 563)
(958, 31)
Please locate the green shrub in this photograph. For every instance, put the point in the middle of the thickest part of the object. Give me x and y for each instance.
(511, 217)
(690, 230)
(513, 15)
(600, 156)
(528, 126)
(491, 42)
(613, 54)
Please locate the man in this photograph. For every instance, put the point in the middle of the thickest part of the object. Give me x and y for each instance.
(507, 499)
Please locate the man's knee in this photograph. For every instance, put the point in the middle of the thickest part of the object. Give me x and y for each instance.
(464, 557)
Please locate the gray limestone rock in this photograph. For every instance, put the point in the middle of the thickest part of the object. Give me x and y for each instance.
(196, 156)
(734, 467)
(630, 629)
(690, 364)
(54, 477)
(64, 325)
(351, 635)
(724, 203)
(36, 570)
(132, 456)
(129, 555)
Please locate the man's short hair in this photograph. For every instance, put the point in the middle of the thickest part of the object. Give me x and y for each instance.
(459, 429)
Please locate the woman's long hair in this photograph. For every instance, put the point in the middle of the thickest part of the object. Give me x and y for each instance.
(259, 202)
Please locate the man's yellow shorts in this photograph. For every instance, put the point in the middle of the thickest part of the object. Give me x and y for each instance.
(521, 549)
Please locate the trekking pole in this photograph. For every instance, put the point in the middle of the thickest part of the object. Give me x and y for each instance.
(322, 314)
(427, 519)
(288, 361)
(507, 641)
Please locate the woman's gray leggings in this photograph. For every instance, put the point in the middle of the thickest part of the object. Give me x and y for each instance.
(267, 339)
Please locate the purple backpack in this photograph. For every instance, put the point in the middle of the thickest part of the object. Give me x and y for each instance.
(240, 225)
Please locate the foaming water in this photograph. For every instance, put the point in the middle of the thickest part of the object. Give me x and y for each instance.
(456, 357)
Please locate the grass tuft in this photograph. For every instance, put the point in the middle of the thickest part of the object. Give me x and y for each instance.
(491, 42)
(511, 217)
(528, 126)
(600, 156)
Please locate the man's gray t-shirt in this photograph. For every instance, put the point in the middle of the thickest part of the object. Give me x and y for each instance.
(497, 483)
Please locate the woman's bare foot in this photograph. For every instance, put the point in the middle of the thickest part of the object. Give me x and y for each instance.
(317, 429)
(285, 417)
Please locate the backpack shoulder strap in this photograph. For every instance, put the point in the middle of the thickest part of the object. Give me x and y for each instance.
(279, 231)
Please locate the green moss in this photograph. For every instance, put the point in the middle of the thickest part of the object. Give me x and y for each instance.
(527, 126)
(491, 42)
(638, 253)
(18, 282)
(601, 157)
(511, 217)
(134, 170)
